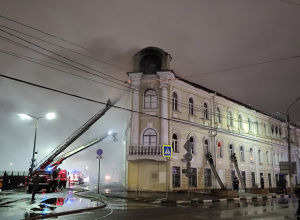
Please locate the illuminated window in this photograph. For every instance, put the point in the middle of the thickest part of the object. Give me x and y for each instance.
(219, 153)
(251, 155)
(191, 106)
(150, 99)
(205, 111)
(175, 143)
(150, 137)
(175, 101)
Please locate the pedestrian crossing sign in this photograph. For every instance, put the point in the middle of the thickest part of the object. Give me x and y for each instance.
(167, 150)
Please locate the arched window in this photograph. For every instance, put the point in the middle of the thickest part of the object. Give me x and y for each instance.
(206, 146)
(257, 127)
(205, 110)
(231, 150)
(175, 101)
(242, 153)
(265, 129)
(191, 106)
(240, 121)
(150, 99)
(249, 125)
(267, 156)
(229, 118)
(259, 157)
(251, 155)
(150, 137)
(218, 115)
(272, 129)
(276, 130)
(175, 143)
(219, 152)
(192, 140)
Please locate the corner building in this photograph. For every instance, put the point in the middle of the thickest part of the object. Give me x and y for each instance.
(176, 110)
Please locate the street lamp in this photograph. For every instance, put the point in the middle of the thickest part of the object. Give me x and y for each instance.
(49, 116)
(289, 144)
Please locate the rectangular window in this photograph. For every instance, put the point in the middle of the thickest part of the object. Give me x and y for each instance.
(253, 179)
(193, 177)
(176, 176)
(243, 173)
(207, 178)
(270, 181)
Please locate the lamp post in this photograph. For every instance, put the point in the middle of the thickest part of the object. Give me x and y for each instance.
(289, 144)
(49, 116)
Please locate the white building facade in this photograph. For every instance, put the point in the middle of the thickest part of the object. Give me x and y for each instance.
(168, 110)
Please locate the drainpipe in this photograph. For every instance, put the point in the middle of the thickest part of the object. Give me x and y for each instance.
(213, 136)
(272, 147)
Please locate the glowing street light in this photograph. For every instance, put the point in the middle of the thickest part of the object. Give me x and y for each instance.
(49, 116)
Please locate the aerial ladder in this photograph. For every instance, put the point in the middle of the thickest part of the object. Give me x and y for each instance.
(60, 158)
(40, 168)
(234, 161)
(213, 168)
(61, 179)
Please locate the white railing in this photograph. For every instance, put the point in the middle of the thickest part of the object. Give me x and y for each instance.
(155, 150)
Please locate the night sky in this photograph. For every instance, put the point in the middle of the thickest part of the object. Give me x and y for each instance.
(201, 36)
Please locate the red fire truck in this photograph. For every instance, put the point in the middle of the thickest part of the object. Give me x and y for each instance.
(47, 168)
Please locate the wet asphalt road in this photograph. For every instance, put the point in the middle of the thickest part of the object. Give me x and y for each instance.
(19, 206)
(273, 209)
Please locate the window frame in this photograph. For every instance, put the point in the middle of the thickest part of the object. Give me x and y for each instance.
(229, 119)
(191, 106)
(149, 137)
(240, 121)
(175, 142)
(175, 106)
(218, 115)
(205, 111)
(153, 99)
(242, 153)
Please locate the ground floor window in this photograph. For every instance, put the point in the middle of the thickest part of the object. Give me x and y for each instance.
(193, 177)
(253, 179)
(232, 177)
(243, 173)
(207, 177)
(270, 181)
(276, 179)
(176, 176)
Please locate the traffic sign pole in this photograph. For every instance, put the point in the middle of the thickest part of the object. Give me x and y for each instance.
(99, 152)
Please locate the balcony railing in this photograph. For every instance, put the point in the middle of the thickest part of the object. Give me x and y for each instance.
(136, 152)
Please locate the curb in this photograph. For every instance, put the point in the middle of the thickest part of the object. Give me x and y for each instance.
(204, 201)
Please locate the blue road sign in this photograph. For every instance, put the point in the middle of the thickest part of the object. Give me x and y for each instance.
(167, 150)
(99, 152)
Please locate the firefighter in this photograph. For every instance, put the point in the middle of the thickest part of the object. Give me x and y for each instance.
(209, 155)
(233, 157)
(36, 180)
(236, 183)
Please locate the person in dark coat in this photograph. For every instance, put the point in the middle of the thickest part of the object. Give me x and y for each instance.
(283, 185)
(36, 180)
(236, 183)
(262, 182)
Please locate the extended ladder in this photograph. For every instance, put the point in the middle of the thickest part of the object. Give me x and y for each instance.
(238, 172)
(215, 173)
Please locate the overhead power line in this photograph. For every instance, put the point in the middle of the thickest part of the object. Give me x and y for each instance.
(289, 2)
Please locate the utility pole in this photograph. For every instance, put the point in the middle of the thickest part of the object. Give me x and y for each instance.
(289, 145)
